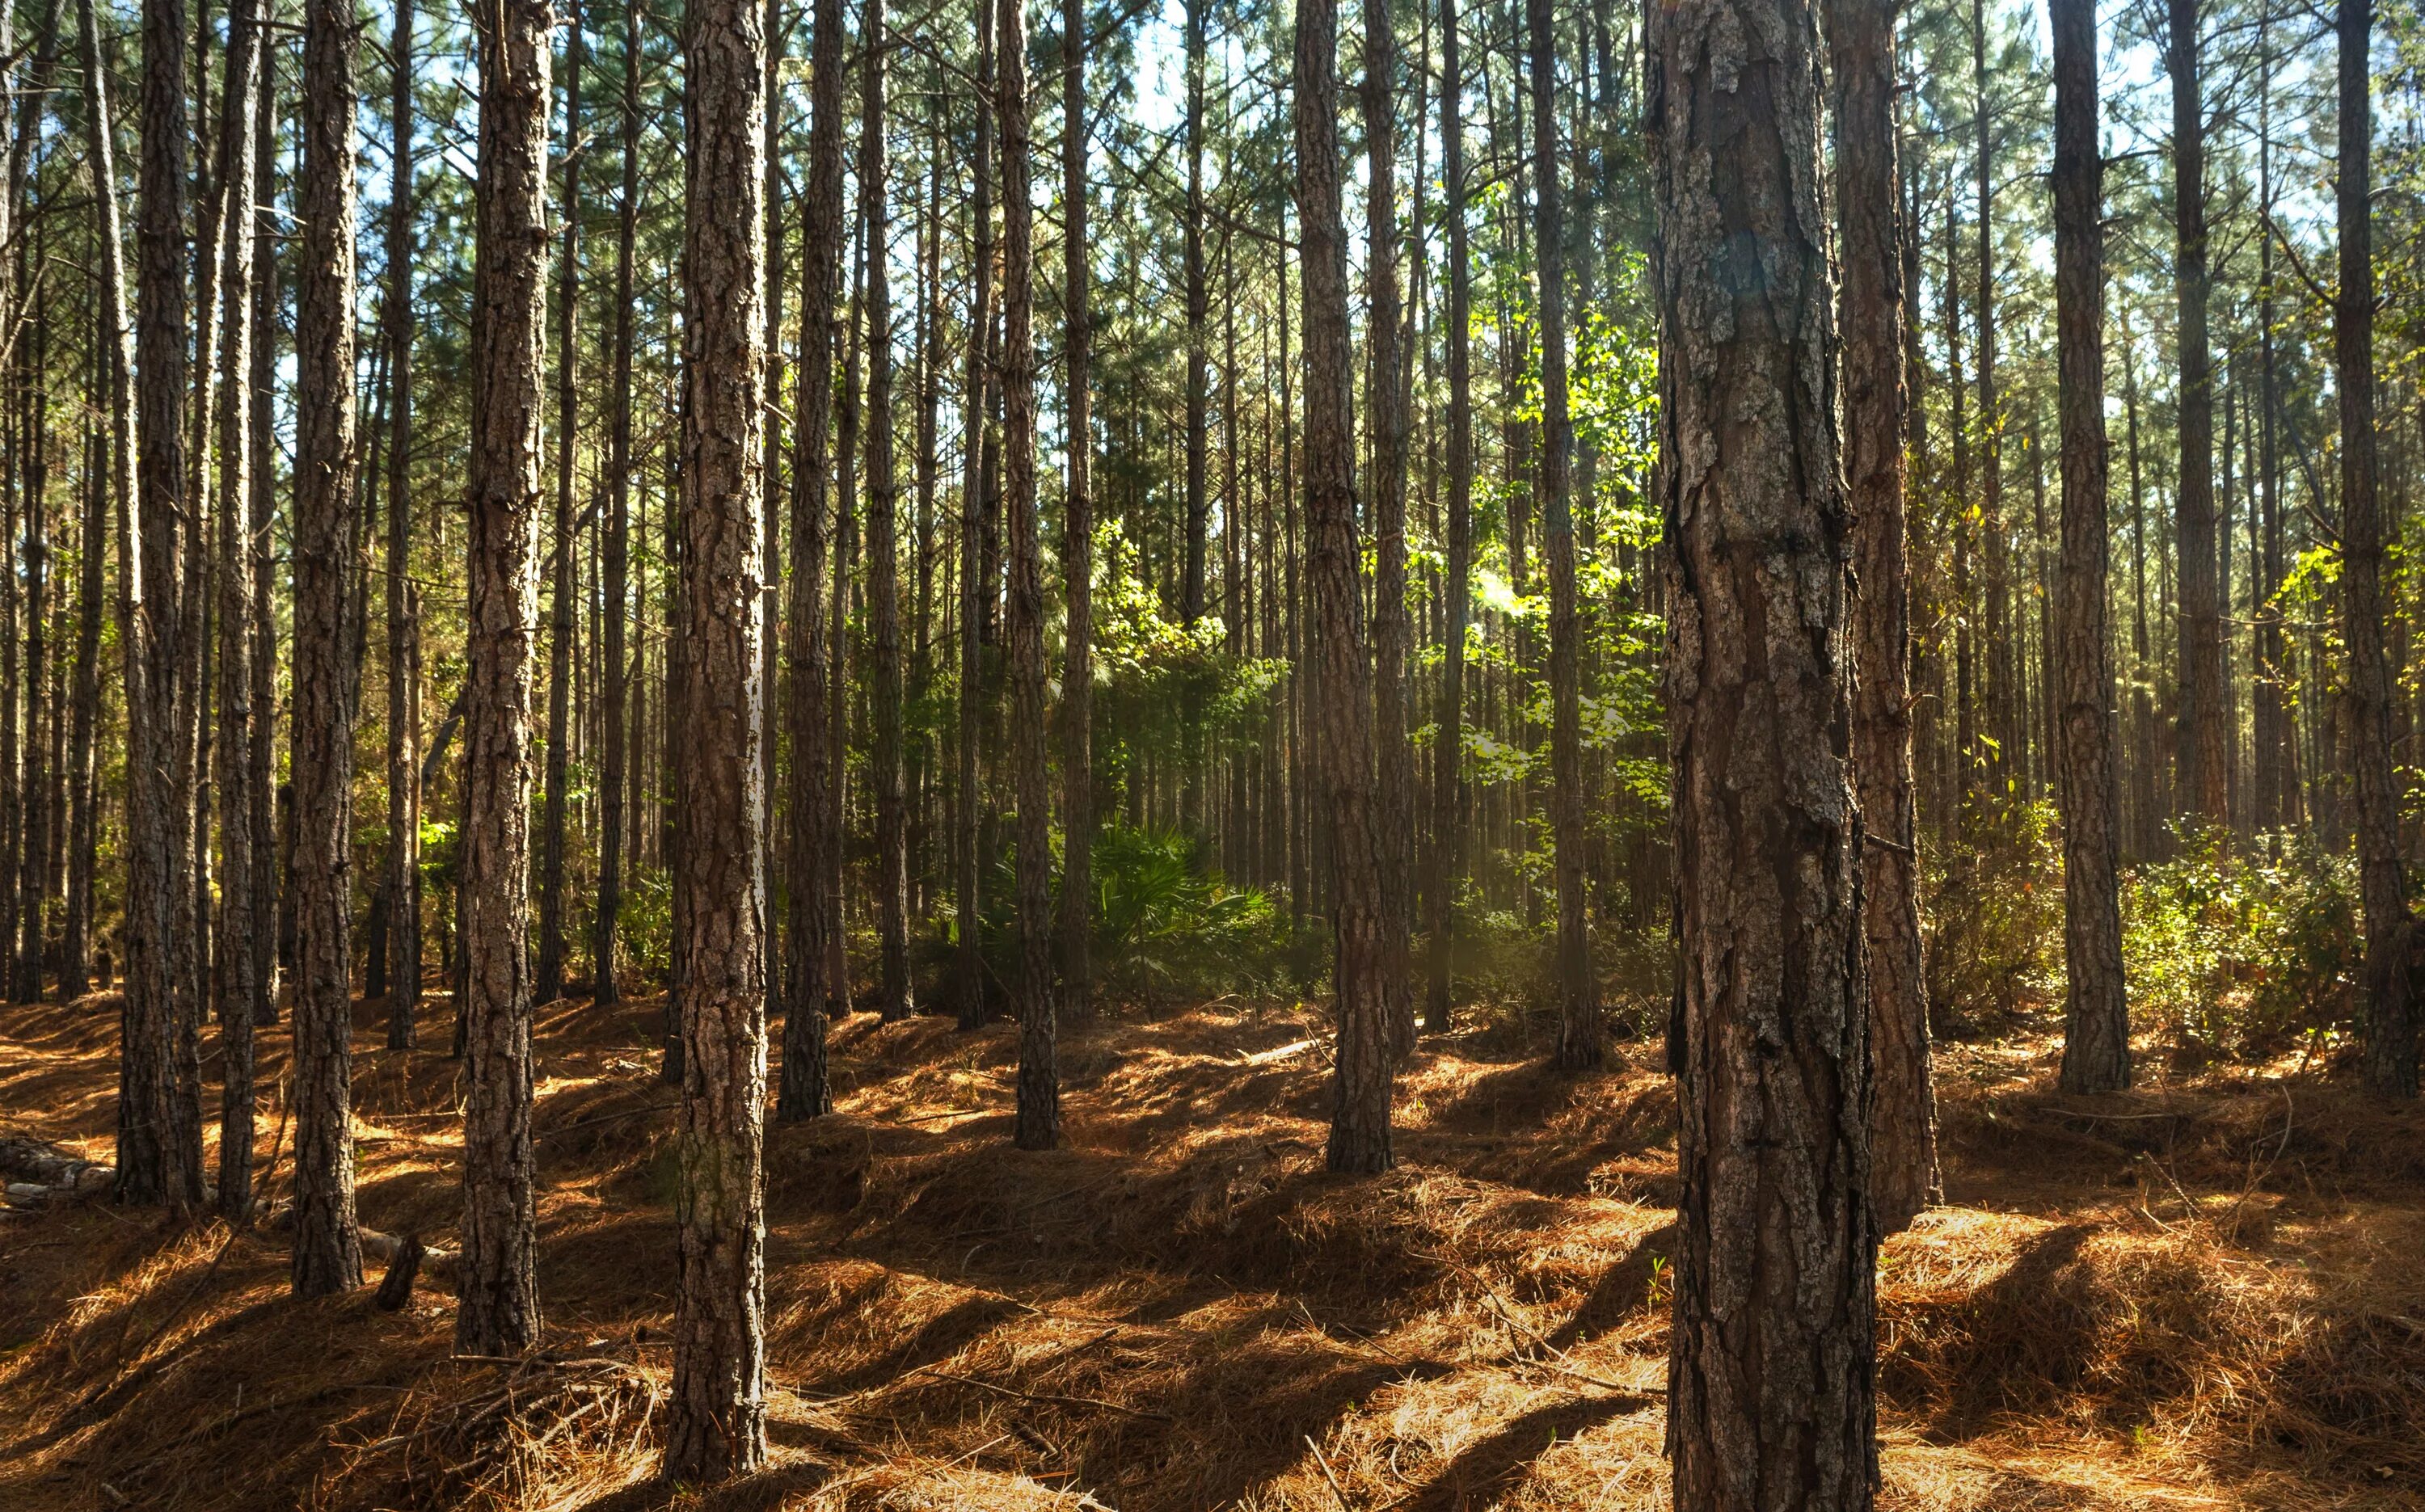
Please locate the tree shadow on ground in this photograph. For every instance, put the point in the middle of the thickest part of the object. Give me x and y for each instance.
(1478, 1477)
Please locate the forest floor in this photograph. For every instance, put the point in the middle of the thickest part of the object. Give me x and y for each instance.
(2209, 1293)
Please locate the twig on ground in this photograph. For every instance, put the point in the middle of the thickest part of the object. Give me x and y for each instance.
(1327, 1474)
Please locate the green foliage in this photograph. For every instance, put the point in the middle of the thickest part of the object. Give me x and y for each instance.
(2238, 951)
(1992, 909)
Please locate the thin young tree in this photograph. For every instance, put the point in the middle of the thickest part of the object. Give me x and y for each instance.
(805, 1091)
(886, 678)
(2097, 1020)
(613, 770)
(1077, 532)
(968, 964)
(1448, 752)
(241, 990)
(1360, 1117)
(716, 1419)
(2204, 787)
(1775, 1256)
(562, 576)
(2391, 1056)
(497, 1310)
(328, 1250)
(403, 881)
(1902, 1117)
(1578, 1028)
(1038, 1122)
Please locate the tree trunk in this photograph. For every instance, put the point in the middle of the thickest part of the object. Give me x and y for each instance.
(1078, 534)
(613, 778)
(1040, 1086)
(2205, 784)
(2006, 760)
(968, 964)
(1360, 1117)
(33, 784)
(2097, 1025)
(1775, 1263)
(716, 1425)
(1192, 271)
(1903, 1114)
(403, 735)
(808, 694)
(241, 997)
(560, 568)
(328, 1252)
(260, 389)
(497, 1285)
(2391, 1059)
(1448, 749)
(1392, 632)
(893, 998)
(1579, 1031)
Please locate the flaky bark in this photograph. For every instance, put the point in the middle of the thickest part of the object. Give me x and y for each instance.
(968, 964)
(1039, 1083)
(1771, 1372)
(2097, 1025)
(497, 1283)
(1903, 1113)
(328, 1252)
(241, 990)
(810, 992)
(717, 1418)
(2391, 1013)
(1359, 1116)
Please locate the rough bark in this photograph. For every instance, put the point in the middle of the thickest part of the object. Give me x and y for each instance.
(241, 998)
(260, 390)
(1038, 1125)
(497, 1307)
(1448, 750)
(2391, 1055)
(328, 1252)
(31, 547)
(563, 585)
(1361, 1083)
(1198, 505)
(716, 1421)
(613, 775)
(893, 998)
(1392, 631)
(1903, 1114)
(1077, 533)
(403, 735)
(1771, 1375)
(2096, 1022)
(1578, 1028)
(2204, 787)
(806, 1093)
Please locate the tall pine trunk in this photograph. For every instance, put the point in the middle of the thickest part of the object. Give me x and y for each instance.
(614, 779)
(1579, 1030)
(716, 1421)
(1903, 1116)
(968, 964)
(1077, 533)
(403, 880)
(1447, 747)
(1038, 1125)
(893, 998)
(810, 699)
(1392, 631)
(563, 579)
(497, 1282)
(2391, 1059)
(327, 1252)
(2204, 787)
(1360, 1082)
(1776, 1252)
(2097, 1025)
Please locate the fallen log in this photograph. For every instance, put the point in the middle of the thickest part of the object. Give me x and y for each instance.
(38, 1173)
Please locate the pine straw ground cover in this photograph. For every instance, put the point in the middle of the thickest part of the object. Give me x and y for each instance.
(2202, 1295)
